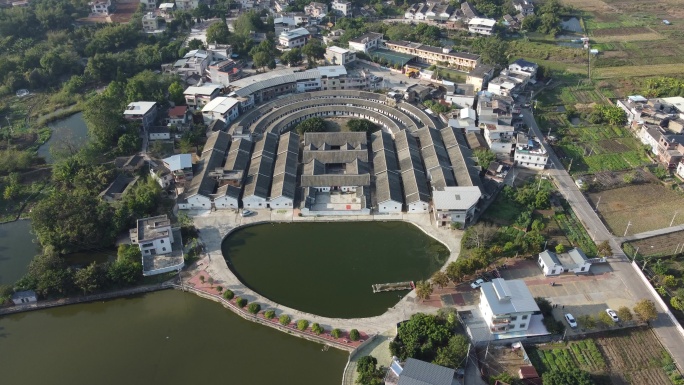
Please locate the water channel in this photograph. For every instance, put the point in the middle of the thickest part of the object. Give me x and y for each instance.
(166, 337)
(328, 268)
(16, 250)
(72, 130)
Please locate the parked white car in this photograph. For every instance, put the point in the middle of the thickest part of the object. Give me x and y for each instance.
(246, 213)
(613, 315)
(477, 284)
(571, 320)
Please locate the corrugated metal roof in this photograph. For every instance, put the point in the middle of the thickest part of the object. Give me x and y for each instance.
(507, 297)
(418, 372)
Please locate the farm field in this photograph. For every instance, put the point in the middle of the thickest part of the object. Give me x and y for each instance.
(648, 206)
(660, 246)
(629, 356)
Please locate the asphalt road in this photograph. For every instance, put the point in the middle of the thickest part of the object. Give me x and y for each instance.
(667, 333)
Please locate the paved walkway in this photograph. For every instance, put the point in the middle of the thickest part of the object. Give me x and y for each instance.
(652, 233)
(214, 226)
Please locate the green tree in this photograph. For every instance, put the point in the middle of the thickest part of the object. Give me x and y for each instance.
(248, 22)
(261, 59)
(128, 143)
(423, 290)
(454, 354)
(646, 310)
(254, 308)
(284, 319)
(176, 93)
(368, 372)
(292, 57)
(604, 249)
(218, 33)
(127, 269)
(269, 314)
(669, 281)
(362, 125)
(89, 278)
(47, 274)
(492, 50)
(354, 335)
(624, 313)
(336, 333)
(228, 294)
(420, 337)
(313, 51)
(604, 320)
(241, 302)
(316, 328)
(586, 321)
(440, 279)
(567, 377)
(311, 125)
(560, 249)
(484, 157)
(196, 44)
(302, 324)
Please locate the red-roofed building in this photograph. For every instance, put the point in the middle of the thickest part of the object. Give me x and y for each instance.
(178, 115)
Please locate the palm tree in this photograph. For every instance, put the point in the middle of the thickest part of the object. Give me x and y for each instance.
(423, 290)
(440, 279)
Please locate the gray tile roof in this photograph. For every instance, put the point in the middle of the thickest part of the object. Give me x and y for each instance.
(286, 162)
(238, 159)
(409, 159)
(228, 190)
(388, 187)
(217, 141)
(341, 156)
(550, 258)
(284, 185)
(322, 140)
(267, 146)
(258, 180)
(385, 161)
(314, 167)
(381, 140)
(415, 186)
(403, 140)
(418, 372)
(289, 141)
(460, 156)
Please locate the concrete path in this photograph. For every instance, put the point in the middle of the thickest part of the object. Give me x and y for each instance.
(652, 233)
(666, 331)
(214, 226)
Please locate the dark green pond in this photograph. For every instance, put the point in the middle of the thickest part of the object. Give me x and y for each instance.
(165, 338)
(16, 250)
(328, 268)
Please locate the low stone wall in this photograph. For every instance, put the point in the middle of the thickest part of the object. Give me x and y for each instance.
(83, 299)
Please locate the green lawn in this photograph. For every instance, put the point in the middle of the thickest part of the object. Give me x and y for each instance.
(502, 211)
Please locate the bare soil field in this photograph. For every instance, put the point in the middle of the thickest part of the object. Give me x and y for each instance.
(638, 71)
(648, 206)
(661, 246)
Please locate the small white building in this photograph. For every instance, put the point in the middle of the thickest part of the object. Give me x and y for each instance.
(574, 261)
(159, 133)
(151, 23)
(100, 7)
(507, 306)
(295, 38)
(143, 112)
(177, 116)
(198, 96)
(455, 204)
(221, 108)
(481, 26)
(529, 153)
(499, 137)
(166, 10)
(24, 297)
(339, 56)
(366, 42)
(680, 169)
(343, 7)
(153, 235)
(524, 67)
(388, 192)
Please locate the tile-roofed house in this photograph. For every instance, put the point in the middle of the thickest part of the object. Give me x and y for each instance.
(409, 159)
(507, 306)
(416, 372)
(385, 160)
(198, 194)
(258, 183)
(455, 204)
(286, 163)
(239, 155)
(283, 190)
(469, 11)
(381, 140)
(288, 141)
(266, 146)
(218, 141)
(466, 172)
(388, 194)
(118, 188)
(351, 182)
(416, 191)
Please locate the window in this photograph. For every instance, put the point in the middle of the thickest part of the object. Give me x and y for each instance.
(522, 325)
(163, 248)
(162, 241)
(525, 316)
(514, 317)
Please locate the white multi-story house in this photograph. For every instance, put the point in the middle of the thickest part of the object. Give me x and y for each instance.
(455, 204)
(529, 153)
(316, 10)
(166, 10)
(151, 23)
(366, 42)
(143, 112)
(525, 7)
(187, 5)
(499, 137)
(343, 7)
(574, 261)
(524, 67)
(100, 7)
(201, 94)
(507, 306)
(481, 26)
(339, 56)
(221, 108)
(153, 235)
(294, 38)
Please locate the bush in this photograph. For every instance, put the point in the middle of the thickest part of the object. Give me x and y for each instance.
(354, 335)
(316, 328)
(241, 302)
(228, 294)
(254, 308)
(219, 288)
(336, 333)
(269, 314)
(302, 324)
(284, 319)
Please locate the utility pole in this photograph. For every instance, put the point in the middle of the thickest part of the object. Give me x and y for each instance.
(636, 253)
(628, 224)
(570, 166)
(673, 218)
(597, 204)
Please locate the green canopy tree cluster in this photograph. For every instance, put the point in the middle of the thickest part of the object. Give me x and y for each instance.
(311, 125)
